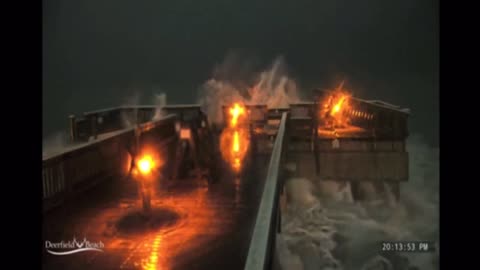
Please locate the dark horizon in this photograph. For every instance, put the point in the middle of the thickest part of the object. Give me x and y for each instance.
(99, 54)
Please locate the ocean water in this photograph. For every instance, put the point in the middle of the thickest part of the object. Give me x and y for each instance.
(323, 228)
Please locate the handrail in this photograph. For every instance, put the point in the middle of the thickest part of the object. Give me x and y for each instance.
(80, 146)
(120, 108)
(262, 239)
(81, 165)
(143, 127)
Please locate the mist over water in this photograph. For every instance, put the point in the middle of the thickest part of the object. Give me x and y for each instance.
(333, 232)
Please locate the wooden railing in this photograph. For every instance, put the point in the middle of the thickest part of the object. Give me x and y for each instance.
(94, 123)
(82, 166)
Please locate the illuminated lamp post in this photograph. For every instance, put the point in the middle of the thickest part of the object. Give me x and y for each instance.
(145, 176)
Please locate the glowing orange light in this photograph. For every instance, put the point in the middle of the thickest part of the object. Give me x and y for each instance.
(336, 108)
(185, 133)
(161, 249)
(234, 140)
(338, 105)
(236, 143)
(145, 164)
(237, 164)
(236, 111)
(152, 263)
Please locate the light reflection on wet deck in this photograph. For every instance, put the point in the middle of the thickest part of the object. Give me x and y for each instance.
(197, 221)
(212, 230)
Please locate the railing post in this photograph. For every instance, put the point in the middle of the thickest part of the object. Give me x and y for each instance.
(93, 123)
(73, 128)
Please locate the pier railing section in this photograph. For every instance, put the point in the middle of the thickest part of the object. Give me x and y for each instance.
(94, 123)
(82, 166)
(262, 244)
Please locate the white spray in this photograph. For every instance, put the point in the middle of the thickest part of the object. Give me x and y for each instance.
(335, 233)
(272, 87)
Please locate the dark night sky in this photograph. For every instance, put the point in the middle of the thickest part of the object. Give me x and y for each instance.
(98, 53)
